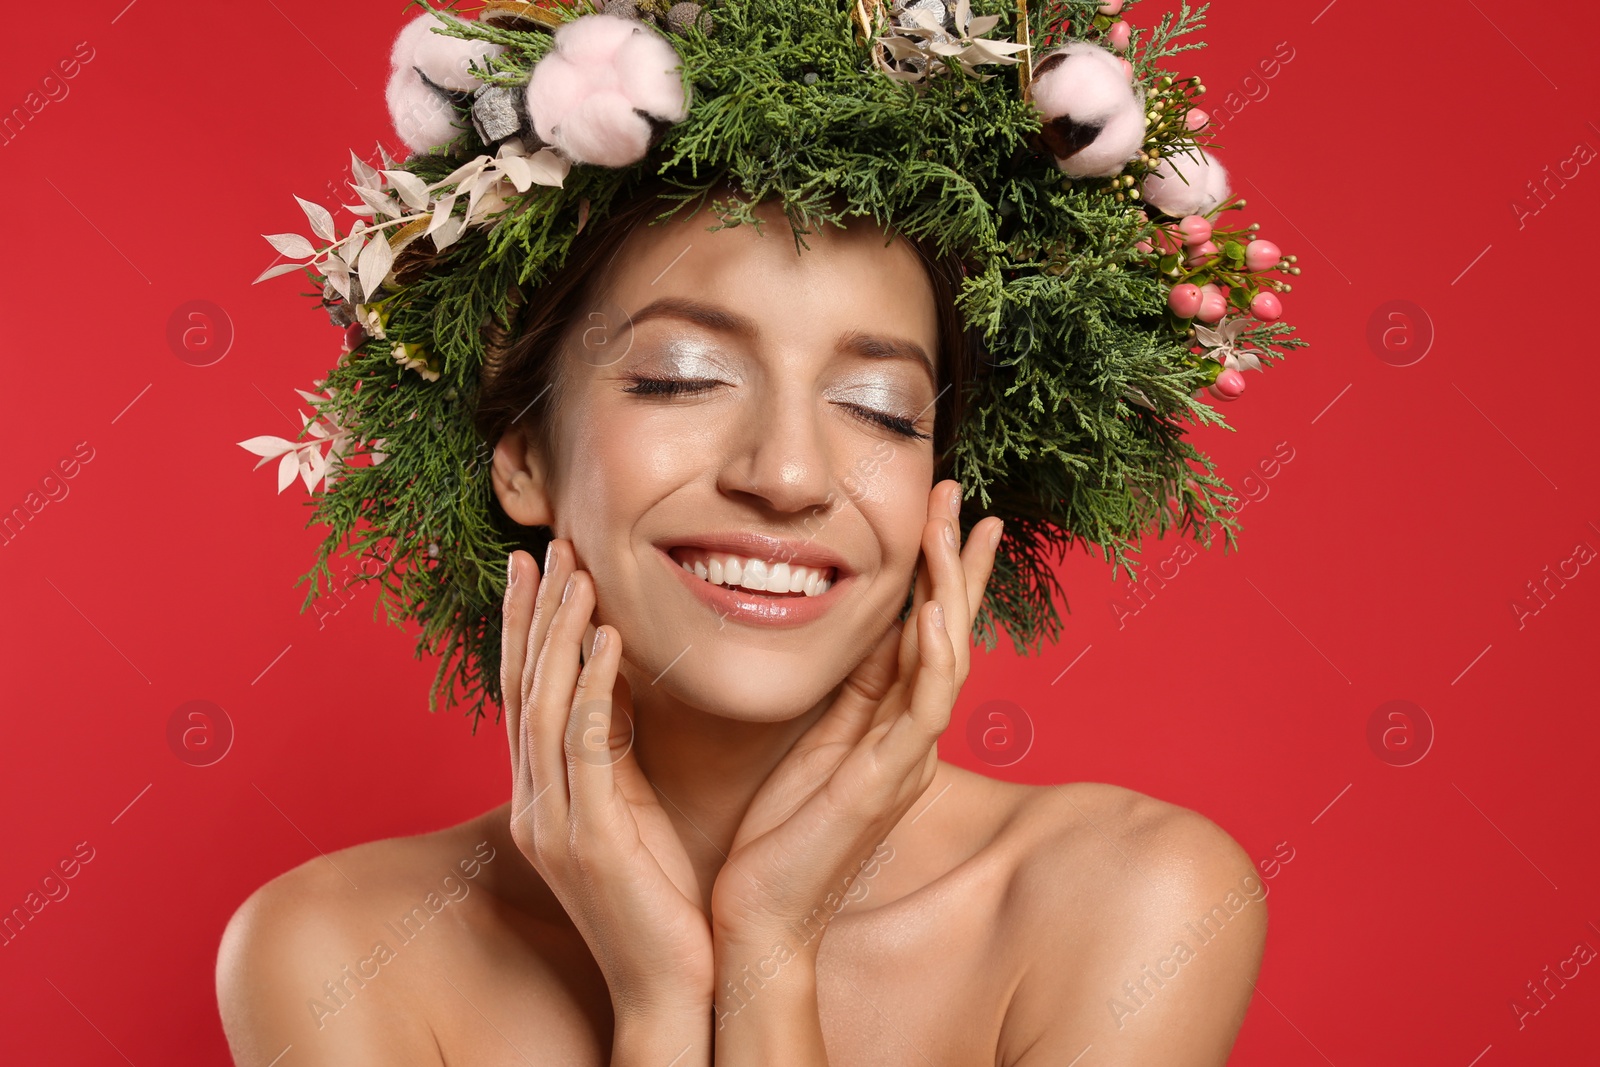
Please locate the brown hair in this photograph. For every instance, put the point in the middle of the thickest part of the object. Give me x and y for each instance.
(521, 381)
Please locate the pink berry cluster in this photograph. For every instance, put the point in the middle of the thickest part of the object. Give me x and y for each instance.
(1219, 274)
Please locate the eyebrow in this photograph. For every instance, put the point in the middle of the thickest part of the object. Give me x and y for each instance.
(713, 317)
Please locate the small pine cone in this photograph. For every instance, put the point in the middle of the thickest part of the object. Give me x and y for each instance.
(681, 16)
(498, 339)
(622, 9)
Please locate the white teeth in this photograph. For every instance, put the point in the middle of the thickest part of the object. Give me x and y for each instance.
(756, 575)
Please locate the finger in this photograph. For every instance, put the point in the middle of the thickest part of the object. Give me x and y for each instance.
(522, 584)
(977, 560)
(597, 731)
(938, 506)
(555, 677)
(912, 735)
(558, 567)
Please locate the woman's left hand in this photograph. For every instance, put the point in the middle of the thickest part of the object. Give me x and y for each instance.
(837, 794)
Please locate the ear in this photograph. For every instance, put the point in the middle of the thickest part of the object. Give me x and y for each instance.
(520, 480)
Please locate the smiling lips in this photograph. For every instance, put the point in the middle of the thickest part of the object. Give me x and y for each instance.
(730, 570)
(743, 588)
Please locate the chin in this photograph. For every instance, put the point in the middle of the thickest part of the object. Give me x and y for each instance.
(749, 685)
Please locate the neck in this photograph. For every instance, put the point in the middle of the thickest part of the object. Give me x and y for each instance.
(706, 768)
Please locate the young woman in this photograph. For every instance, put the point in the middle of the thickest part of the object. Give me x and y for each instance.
(729, 837)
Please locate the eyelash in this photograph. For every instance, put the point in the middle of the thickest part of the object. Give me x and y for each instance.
(646, 386)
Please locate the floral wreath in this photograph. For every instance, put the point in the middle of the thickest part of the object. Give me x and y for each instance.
(1050, 149)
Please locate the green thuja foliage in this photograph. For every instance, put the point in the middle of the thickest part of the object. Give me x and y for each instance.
(1076, 427)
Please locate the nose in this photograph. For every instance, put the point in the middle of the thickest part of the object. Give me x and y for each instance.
(777, 452)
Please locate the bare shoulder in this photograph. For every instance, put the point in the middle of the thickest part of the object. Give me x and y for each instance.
(1158, 911)
(305, 960)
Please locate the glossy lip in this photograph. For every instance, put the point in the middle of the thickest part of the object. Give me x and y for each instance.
(767, 549)
(746, 606)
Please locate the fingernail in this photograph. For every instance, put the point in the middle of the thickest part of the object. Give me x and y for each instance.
(572, 580)
(938, 614)
(999, 528)
(950, 535)
(599, 642)
(955, 500)
(511, 572)
(549, 554)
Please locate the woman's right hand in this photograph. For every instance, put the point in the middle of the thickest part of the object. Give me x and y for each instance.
(582, 811)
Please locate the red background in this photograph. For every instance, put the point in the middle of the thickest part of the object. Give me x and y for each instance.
(1381, 563)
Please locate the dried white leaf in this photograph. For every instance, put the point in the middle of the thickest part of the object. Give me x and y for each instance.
(448, 231)
(412, 189)
(321, 221)
(363, 174)
(378, 201)
(290, 244)
(287, 467)
(469, 169)
(339, 278)
(441, 212)
(281, 268)
(374, 264)
(549, 167)
(266, 446)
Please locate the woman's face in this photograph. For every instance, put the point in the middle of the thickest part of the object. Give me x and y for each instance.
(798, 432)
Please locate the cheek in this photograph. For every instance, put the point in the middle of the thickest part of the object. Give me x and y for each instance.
(890, 486)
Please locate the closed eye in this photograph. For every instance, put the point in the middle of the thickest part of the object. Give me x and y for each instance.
(647, 386)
